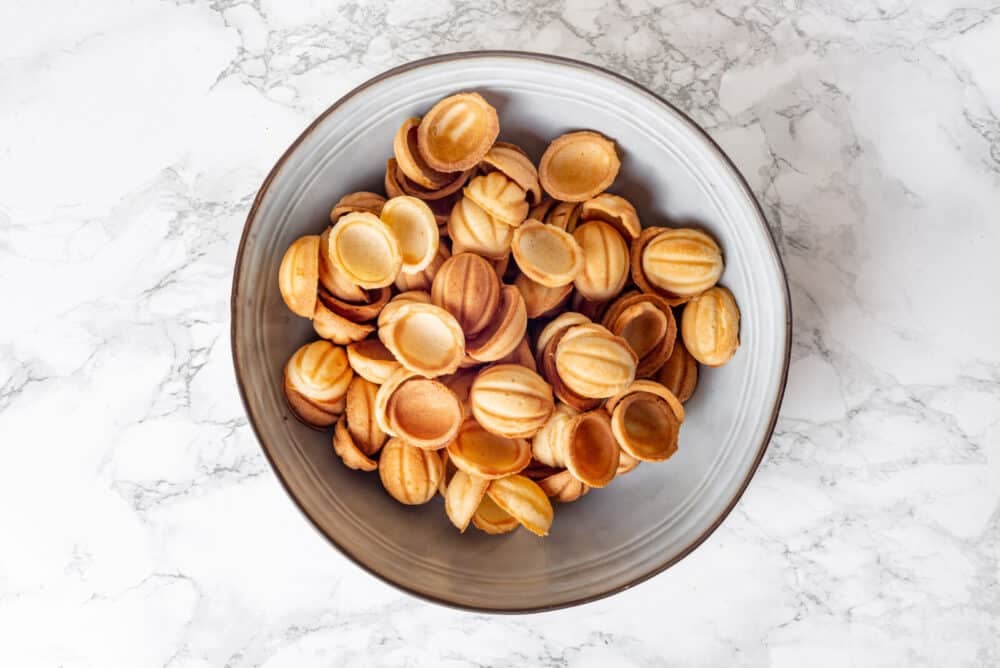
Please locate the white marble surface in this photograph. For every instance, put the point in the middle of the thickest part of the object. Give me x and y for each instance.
(141, 525)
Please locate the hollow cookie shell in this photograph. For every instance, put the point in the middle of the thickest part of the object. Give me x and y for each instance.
(546, 254)
(360, 414)
(582, 443)
(683, 262)
(389, 311)
(547, 367)
(511, 400)
(505, 330)
(423, 412)
(649, 332)
(524, 500)
(645, 426)
(472, 229)
(462, 497)
(590, 450)
(647, 324)
(515, 163)
(650, 387)
(593, 362)
(487, 455)
(424, 338)
(416, 230)
(357, 201)
(371, 360)
(636, 251)
(578, 166)
(309, 413)
(319, 372)
(362, 311)
(467, 287)
(407, 187)
(410, 475)
(500, 197)
(336, 328)
(348, 451)
(614, 210)
(365, 249)
(298, 276)
(492, 519)
(548, 446)
(457, 132)
(337, 284)
(605, 261)
(710, 326)
(411, 162)
(561, 322)
(680, 372)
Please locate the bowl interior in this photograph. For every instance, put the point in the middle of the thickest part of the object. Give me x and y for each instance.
(612, 537)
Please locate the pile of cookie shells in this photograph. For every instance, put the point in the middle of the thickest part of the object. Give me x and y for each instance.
(498, 333)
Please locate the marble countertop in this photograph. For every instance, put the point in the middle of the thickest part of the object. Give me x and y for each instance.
(140, 524)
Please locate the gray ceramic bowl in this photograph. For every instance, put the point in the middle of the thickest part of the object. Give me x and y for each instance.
(615, 537)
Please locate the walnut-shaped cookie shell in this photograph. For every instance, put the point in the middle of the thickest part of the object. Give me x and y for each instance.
(371, 360)
(474, 230)
(424, 338)
(710, 326)
(647, 324)
(500, 197)
(416, 230)
(365, 249)
(614, 210)
(411, 162)
(319, 371)
(605, 261)
(462, 497)
(348, 451)
(487, 455)
(546, 254)
(563, 487)
(515, 163)
(680, 372)
(593, 362)
(525, 501)
(357, 201)
(645, 421)
(492, 519)
(683, 262)
(360, 414)
(511, 400)
(467, 287)
(578, 166)
(457, 132)
(409, 474)
(298, 276)
(504, 332)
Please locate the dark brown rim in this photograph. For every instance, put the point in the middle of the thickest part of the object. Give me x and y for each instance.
(761, 449)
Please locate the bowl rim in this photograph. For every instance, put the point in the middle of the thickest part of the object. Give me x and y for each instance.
(559, 60)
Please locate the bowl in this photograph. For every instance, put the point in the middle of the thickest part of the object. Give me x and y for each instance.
(612, 538)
